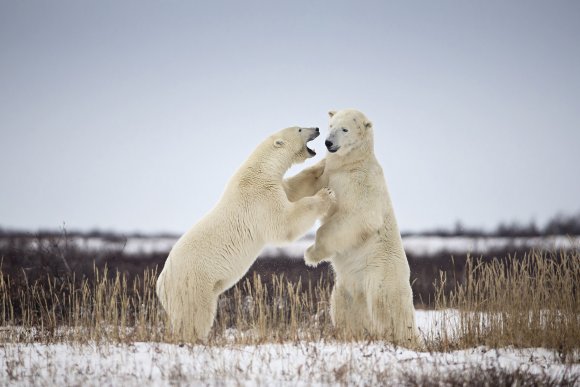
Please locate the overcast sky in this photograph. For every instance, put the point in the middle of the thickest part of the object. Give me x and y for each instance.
(132, 115)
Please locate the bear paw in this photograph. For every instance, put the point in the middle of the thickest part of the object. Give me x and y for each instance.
(327, 194)
(328, 198)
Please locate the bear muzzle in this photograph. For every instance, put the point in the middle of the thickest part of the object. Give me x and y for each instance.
(315, 133)
(330, 146)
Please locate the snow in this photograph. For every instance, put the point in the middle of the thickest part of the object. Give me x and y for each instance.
(271, 364)
(420, 245)
(298, 363)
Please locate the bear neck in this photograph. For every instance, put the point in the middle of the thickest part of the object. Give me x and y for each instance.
(266, 167)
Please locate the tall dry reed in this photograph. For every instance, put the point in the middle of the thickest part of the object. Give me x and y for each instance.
(529, 301)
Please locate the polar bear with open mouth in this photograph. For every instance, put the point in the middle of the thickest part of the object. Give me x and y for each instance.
(253, 211)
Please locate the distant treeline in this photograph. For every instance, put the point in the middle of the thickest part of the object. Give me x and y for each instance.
(559, 224)
(111, 236)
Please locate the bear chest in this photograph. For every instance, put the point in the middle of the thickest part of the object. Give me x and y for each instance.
(343, 185)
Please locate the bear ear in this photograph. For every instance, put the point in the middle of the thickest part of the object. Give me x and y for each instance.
(368, 124)
(331, 113)
(279, 143)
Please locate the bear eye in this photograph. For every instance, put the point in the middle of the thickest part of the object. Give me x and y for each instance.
(344, 130)
(300, 130)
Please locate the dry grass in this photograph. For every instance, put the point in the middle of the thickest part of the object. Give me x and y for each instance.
(64, 309)
(532, 301)
(529, 301)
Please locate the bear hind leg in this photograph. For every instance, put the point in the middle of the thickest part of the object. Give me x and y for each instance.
(394, 318)
(348, 312)
(204, 316)
(193, 320)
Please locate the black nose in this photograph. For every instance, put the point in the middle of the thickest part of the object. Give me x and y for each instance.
(328, 143)
(318, 130)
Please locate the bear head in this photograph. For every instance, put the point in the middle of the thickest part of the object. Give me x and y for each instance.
(293, 142)
(349, 130)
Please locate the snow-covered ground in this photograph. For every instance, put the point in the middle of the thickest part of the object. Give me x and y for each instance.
(417, 245)
(269, 365)
(300, 363)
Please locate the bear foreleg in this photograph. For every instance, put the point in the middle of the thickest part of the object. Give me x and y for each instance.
(332, 237)
(300, 216)
(305, 183)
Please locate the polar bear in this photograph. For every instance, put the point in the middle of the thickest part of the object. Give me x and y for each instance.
(253, 211)
(359, 236)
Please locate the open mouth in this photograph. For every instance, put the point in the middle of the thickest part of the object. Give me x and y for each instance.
(311, 152)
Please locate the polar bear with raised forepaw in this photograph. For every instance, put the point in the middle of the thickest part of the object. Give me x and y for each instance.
(253, 211)
(359, 236)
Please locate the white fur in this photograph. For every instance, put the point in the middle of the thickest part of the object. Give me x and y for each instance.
(360, 236)
(217, 251)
